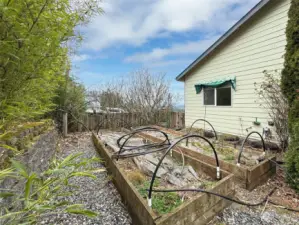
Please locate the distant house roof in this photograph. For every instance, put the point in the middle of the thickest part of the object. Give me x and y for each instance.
(231, 31)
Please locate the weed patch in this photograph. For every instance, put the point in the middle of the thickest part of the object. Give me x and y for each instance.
(162, 203)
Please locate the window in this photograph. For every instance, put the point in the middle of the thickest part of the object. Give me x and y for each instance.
(220, 96)
(209, 96)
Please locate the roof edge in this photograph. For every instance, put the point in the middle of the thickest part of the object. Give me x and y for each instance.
(227, 34)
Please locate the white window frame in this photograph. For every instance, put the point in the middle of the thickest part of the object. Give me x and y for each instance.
(215, 96)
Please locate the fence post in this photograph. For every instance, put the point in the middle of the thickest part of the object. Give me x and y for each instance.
(64, 124)
(80, 125)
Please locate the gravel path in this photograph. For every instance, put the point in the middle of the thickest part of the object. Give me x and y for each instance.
(240, 215)
(98, 195)
(265, 214)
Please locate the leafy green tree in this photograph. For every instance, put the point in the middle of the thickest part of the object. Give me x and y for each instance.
(290, 87)
(70, 97)
(35, 37)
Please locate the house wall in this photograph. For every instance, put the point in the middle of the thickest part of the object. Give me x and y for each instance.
(257, 46)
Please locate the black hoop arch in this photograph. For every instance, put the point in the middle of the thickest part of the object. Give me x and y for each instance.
(168, 150)
(190, 129)
(242, 146)
(134, 132)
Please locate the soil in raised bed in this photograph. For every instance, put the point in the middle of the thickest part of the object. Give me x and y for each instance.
(226, 150)
(171, 174)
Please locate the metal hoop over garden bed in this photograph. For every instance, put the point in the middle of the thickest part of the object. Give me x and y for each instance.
(190, 129)
(241, 149)
(168, 150)
(123, 147)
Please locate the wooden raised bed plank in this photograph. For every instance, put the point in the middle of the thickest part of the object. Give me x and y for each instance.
(198, 210)
(250, 178)
(139, 211)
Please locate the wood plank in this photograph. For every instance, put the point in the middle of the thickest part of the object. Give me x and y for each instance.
(190, 211)
(260, 169)
(260, 179)
(217, 208)
(200, 165)
(141, 214)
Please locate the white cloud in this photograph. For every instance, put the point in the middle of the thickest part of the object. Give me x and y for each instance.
(167, 63)
(134, 22)
(80, 58)
(182, 49)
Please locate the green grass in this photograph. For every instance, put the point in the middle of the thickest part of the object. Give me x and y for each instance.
(229, 158)
(162, 203)
(209, 184)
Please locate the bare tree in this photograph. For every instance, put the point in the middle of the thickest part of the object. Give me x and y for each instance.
(140, 92)
(106, 97)
(146, 93)
(272, 99)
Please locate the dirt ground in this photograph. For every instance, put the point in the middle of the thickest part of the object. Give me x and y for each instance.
(226, 150)
(266, 214)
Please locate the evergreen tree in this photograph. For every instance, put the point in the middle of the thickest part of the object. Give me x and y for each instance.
(290, 87)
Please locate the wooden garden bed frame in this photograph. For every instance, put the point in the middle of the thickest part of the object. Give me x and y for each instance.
(198, 210)
(248, 178)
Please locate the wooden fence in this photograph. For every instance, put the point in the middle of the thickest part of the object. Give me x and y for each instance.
(173, 120)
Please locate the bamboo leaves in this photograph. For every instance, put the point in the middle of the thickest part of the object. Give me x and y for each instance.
(42, 192)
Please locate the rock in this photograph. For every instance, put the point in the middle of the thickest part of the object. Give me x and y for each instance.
(175, 181)
(183, 173)
(152, 159)
(147, 167)
(272, 146)
(255, 144)
(178, 171)
(227, 137)
(192, 171)
(135, 142)
(209, 134)
(168, 163)
(270, 217)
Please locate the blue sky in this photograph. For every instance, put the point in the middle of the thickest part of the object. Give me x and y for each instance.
(164, 36)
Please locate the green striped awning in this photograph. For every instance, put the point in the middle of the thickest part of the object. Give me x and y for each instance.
(216, 83)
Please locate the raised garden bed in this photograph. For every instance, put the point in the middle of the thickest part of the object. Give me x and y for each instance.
(249, 174)
(197, 208)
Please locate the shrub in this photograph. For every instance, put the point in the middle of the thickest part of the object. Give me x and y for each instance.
(290, 87)
(274, 101)
(71, 98)
(292, 159)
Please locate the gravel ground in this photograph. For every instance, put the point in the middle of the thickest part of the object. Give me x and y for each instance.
(240, 215)
(262, 215)
(98, 195)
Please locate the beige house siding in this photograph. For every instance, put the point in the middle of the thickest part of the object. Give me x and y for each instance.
(257, 46)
